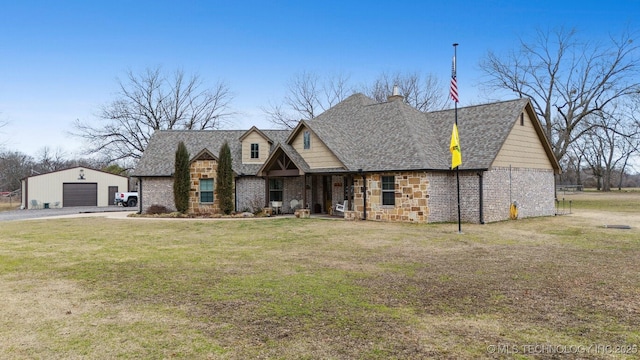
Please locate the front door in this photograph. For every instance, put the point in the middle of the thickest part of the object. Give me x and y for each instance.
(112, 194)
(326, 193)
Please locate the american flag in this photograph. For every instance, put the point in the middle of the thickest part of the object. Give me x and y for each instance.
(454, 82)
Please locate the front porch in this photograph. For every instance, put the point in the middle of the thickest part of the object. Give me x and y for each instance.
(290, 184)
(388, 196)
(318, 193)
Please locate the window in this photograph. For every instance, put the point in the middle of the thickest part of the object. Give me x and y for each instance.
(307, 140)
(255, 153)
(206, 190)
(388, 190)
(522, 119)
(275, 189)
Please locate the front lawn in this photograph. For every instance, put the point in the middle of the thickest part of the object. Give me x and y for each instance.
(319, 289)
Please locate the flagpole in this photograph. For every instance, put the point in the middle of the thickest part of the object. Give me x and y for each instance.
(455, 74)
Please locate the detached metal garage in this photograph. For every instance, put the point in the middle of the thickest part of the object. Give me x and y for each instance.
(77, 186)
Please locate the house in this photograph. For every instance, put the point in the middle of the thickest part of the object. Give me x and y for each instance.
(76, 186)
(388, 161)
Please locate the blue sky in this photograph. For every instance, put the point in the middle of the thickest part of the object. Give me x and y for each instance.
(59, 60)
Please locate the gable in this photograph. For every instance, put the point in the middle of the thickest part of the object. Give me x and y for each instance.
(70, 174)
(280, 164)
(523, 147)
(204, 154)
(318, 156)
(254, 137)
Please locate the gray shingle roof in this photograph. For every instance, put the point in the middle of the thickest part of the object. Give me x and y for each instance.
(483, 130)
(363, 134)
(159, 156)
(374, 136)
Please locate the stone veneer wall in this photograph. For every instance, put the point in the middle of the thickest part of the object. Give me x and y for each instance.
(432, 197)
(157, 191)
(203, 169)
(532, 189)
(411, 194)
(420, 196)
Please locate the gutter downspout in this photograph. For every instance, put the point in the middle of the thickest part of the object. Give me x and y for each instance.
(26, 193)
(235, 192)
(364, 193)
(266, 191)
(481, 198)
(139, 195)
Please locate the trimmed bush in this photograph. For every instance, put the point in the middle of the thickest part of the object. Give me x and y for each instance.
(156, 209)
(181, 179)
(225, 180)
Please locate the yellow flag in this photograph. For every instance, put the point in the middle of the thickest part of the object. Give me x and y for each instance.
(454, 148)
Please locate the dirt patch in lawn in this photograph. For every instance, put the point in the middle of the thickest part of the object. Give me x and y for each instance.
(28, 304)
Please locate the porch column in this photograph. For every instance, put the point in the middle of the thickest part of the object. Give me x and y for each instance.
(304, 196)
(348, 185)
(364, 195)
(266, 191)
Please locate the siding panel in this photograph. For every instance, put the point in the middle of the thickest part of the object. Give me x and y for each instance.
(318, 156)
(523, 148)
(263, 148)
(48, 188)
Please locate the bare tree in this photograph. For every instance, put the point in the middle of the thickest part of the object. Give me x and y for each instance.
(571, 165)
(336, 88)
(567, 79)
(280, 117)
(151, 101)
(424, 94)
(631, 147)
(307, 96)
(49, 160)
(3, 123)
(608, 145)
(13, 167)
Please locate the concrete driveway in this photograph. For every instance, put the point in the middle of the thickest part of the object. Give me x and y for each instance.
(14, 215)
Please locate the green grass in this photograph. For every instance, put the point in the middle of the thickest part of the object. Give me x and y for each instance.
(620, 201)
(313, 289)
(621, 205)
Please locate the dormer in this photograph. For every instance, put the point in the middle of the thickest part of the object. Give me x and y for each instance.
(255, 146)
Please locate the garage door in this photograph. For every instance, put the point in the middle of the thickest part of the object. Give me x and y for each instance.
(79, 194)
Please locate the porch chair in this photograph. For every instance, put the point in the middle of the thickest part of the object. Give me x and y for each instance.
(293, 205)
(341, 207)
(34, 204)
(276, 206)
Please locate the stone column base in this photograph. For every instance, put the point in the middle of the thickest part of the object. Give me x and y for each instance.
(350, 215)
(302, 213)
